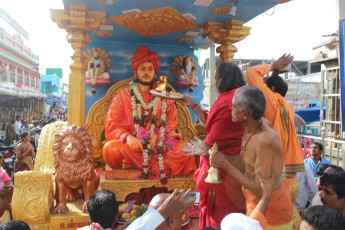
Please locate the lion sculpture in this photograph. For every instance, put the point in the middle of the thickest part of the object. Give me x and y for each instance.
(74, 169)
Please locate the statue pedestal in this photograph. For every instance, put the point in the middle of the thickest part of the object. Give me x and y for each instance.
(73, 219)
(122, 188)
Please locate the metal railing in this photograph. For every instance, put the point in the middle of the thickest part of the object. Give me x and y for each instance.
(333, 150)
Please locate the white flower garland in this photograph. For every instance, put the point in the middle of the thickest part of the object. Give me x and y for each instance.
(136, 113)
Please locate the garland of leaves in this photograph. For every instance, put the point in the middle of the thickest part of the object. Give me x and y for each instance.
(145, 135)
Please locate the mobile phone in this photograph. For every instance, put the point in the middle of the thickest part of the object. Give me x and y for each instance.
(196, 195)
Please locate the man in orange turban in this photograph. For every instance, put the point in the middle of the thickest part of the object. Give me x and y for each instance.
(140, 128)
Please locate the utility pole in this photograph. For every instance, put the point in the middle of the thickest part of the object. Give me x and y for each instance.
(213, 90)
(341, 9)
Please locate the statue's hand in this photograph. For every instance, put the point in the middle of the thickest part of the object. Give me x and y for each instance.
(196, 147)
(177, 136)
(153, 140)
(134, 144)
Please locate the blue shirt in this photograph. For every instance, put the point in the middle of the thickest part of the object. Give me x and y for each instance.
(309, 161)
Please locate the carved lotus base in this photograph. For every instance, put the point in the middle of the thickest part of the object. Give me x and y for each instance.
(122, 188)
(123, 174)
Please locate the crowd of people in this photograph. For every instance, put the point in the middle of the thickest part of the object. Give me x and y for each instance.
(259, 158)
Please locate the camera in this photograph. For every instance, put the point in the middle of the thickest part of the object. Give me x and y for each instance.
(196, 195)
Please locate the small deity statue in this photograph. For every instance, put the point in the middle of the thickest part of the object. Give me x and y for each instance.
(187, 72)
(75, 174)
(140, 128)
(96, 70)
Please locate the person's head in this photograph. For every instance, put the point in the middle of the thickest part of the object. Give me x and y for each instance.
(321, 218)
(316, 151)
(248, 102)
(277, 84)
(103, 209)
(172, 222)
(13, 121)
(44, 123)
(52, 120)
(333, 192)
(320, 171)
(228, 77)
(25, 136)
(96, 54)
(186, 61)
(239, 221)
(15, 225)
(36, 123)
(333, 168)
(26, 123)
(18, 118)
(38, 131)
(145, 65)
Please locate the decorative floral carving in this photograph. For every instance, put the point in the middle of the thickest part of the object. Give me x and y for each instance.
(185, 40)
(124, 187)
(222, 10)
(103, 33)
(155, 22)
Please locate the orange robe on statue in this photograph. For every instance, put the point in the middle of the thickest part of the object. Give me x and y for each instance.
(119, 124)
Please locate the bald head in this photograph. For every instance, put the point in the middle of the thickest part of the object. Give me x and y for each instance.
(173, 222)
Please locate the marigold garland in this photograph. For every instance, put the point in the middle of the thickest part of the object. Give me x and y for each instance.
(146, 135)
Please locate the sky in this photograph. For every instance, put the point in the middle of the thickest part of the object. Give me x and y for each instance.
(294, 27)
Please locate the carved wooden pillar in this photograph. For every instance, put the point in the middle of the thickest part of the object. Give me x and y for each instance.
(79, 23)
(226, 34)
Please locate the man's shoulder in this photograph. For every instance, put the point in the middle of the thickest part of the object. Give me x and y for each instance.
(325, 161)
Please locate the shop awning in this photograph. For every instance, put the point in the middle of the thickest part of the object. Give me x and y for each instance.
(10, 89)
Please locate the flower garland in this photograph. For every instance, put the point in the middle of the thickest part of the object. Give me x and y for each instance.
(144, 134)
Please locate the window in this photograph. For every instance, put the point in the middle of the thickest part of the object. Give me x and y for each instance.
(26, 80)
(20, 79)
(32, 81)
(20, 71)
(12, 77)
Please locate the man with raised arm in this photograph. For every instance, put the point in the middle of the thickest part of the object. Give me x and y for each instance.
(263, 155)
(279, 113)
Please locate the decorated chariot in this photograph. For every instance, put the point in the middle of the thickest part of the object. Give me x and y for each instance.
(107, 37)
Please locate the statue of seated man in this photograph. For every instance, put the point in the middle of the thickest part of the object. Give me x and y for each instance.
(140, 128)
(96, 70)
(188, 72)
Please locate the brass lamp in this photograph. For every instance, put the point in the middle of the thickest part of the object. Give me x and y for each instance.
(213, 176)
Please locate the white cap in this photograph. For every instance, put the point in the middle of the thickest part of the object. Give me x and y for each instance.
(239, 221)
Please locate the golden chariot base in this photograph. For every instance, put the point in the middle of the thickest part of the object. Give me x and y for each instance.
(124, 187)
(73, 219)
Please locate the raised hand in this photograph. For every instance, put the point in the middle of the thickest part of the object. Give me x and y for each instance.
(134, 144)
(187, 101)
(196, 147)
(280, 65)
(176, 202)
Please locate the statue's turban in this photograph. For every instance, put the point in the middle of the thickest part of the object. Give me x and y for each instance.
(143, 54)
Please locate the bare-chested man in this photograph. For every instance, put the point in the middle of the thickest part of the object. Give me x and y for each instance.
(263, 155)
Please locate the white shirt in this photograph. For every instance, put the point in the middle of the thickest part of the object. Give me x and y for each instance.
(17, 126)
(306, 188)
(149, 221)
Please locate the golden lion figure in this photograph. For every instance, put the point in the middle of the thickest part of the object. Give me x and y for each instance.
(74, 167)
